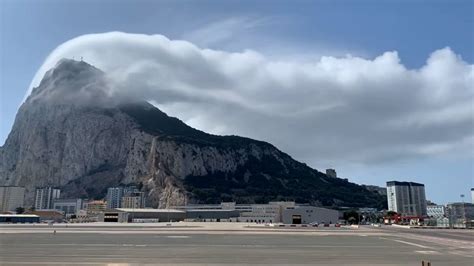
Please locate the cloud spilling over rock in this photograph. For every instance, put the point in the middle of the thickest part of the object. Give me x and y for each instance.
(334, 110)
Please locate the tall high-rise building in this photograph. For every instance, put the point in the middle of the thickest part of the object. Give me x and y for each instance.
(472, 195)
(131, 194)
(406, 198)
(11, 198)
(44, 197)
(460, 214)
(114, 197)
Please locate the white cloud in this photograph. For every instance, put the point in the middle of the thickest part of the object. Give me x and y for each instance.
(331, 110)
(225, 30)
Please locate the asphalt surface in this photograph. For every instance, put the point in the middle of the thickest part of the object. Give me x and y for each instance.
(454, 234)
(29, 245)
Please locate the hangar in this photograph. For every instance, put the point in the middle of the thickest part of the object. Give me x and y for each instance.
(125, 215)
(309, 214)
(211, 215)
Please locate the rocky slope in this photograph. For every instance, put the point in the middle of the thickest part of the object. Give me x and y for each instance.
(69, 133)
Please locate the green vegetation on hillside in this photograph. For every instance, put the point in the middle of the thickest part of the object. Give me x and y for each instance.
(258, 180)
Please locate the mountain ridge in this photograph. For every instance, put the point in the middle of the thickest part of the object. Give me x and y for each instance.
(68, 133)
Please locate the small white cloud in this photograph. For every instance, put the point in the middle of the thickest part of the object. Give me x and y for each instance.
(224, 30)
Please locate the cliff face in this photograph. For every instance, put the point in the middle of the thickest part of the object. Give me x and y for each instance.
(69, 133)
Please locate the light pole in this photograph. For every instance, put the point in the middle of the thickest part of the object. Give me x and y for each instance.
(463, 211)
(167, 211)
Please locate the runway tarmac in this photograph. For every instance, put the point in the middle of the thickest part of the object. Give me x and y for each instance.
(230, 245)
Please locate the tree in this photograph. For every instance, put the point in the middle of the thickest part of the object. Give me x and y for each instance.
(391, 213)
(352, 217)
(20, 210)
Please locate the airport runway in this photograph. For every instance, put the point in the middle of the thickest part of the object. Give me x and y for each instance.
(104, 245)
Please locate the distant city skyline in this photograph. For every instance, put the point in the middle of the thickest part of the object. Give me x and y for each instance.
(360, 114)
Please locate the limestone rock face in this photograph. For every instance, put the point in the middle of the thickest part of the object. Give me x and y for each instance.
(69, 133)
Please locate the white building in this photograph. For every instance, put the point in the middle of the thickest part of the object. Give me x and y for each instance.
(114, 197)
(472, 195)
(261, 213)
(436, 211)
(11, 198)
(135, 200)
(125, 215)
(264, 213)
(44, 197)
(460, 214)
(274, 212)
(94, 207)
(131, 202)
(406, 198)
(68, 206)
(309, 214)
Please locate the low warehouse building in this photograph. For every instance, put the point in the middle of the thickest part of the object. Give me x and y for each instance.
(211, 215)
(113, 216)
(48, 215)
(124, 215)
(19, 218)
(309, 214)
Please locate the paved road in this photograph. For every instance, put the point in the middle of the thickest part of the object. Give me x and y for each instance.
(365, 246)
(453, 234)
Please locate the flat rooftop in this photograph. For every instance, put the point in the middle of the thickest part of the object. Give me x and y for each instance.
(148, 210)
(18, 215)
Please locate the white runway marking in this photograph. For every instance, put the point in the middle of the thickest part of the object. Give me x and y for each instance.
(177, 236)
(461, 254)
(410, 243)
(406, 242)
(430, 252)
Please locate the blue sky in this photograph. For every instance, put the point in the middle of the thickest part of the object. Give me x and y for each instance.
(30, 30)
